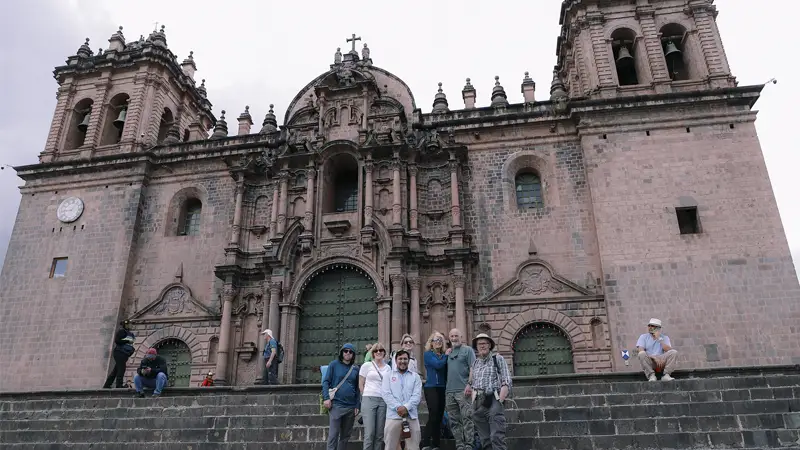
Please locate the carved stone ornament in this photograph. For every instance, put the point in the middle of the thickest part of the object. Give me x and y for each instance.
(534, 280)
(174, 301)
(439, 293)
(340, 250)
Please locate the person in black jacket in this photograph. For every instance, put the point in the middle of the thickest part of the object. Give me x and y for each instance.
(152, 373)
(123, 349)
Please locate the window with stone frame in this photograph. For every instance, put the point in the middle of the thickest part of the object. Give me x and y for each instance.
(189, 224)
(528, 186)
(346, 192)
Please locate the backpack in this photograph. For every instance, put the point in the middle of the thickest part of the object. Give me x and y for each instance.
(280, 353)
(497, 368)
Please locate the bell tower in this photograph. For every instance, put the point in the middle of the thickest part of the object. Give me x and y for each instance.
(127, 98)
(624, 48)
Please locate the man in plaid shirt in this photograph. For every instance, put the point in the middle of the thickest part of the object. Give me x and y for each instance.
(490, 381)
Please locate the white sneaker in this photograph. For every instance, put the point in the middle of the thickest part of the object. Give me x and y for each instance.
(652, 378)
(666, 377)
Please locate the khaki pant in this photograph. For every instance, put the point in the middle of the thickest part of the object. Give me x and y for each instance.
(459, 410)
(665, 362)
(393, 429)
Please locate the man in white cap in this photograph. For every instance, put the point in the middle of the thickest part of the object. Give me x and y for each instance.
(656, 352)
(270, 371)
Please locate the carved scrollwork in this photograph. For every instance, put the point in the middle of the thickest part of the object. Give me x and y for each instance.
(439, 293)
(534, 280)
(414, 282)
(176, 300)
(459, 281)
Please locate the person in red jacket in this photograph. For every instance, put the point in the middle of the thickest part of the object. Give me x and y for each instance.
(208, 380)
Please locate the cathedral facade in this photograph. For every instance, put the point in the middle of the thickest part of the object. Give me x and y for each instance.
(634, 188)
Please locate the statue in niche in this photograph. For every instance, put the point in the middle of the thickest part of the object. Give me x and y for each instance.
(337, 57)
(439, 306)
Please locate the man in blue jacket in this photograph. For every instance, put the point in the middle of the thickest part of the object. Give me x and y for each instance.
(341, 397)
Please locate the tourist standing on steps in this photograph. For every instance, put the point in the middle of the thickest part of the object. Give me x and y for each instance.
(656, 352)
(373, 408)
(402, 392)
(458, 392)
(152, 373)
(435, 379)
(270, 370)
(341, 397)
(491, 381)
(407, 345)
(123, 349)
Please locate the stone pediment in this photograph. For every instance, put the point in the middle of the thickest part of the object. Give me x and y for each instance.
(175, 302)
(536, 279)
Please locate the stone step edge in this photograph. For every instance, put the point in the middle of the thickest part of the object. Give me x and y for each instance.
(556, 380)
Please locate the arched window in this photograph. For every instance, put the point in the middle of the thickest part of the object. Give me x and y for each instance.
(79, 124)
(529, 190)
(189, 224)
(542, 349)
(116, 114)
(186, 135)
(622, 44)
(167, 121)
(672, 40)
(342, 177)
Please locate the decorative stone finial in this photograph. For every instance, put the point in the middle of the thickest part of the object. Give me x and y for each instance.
(246, 113)
(159, 38)
(337, 57)
(468, 94)
(245, 121)
(270, 124)
(557, 88)
(440, 101)
(100, 52)
(173, 135)
(221, 128)
(528, 89)
(202, 88)
(117, 41)
(188, 66)
(498, 94)
(85, 51)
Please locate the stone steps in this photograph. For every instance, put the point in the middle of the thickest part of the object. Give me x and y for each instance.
(729, 408)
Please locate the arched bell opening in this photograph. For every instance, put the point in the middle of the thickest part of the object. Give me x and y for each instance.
(623, 43)
(542, 348)
(167, 120)
(115, 119)
(79, 124)
(672, 44)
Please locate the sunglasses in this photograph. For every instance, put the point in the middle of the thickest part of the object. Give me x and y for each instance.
(437, 340)
(348, 351)
(379, 351)
(408, 342)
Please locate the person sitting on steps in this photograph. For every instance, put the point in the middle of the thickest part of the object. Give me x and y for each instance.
(656, 352)
(152, 373)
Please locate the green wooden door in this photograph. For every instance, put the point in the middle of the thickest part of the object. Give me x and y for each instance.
(338, 306)
(542, 349)
(179, 361)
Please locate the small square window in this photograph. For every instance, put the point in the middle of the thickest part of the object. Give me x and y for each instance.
(688, 222)
(59, 268)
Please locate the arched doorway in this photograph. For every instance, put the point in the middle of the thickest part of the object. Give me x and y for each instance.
(542, 349)
(337, 306)
(179, 361)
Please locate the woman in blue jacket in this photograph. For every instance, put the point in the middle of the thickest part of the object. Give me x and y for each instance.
(435, 380)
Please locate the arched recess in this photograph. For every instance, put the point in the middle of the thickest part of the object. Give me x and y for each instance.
(682, 54)
(341, 176)
(177, 208)
(542, 348)
(337, 306)
(308, 273)
(78, 124)
(519, 162)
(115, 119)
(576, 336)
(167, 120)
(171, 332)
(288, 245)
(179, 361)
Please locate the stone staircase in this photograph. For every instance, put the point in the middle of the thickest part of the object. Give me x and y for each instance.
(753, 408)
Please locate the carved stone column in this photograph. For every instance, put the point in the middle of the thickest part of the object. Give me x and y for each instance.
(288, 337)
(282, 202)
(368, 195)
(398, 283)
(308, 220)
(385, 320)
(461, 314)
(396, 209)
(455, 208)
(705, 20)
(652, 44)
(412, 188)
(273, 217)
(228, 295)
(264, 321)
(237, 214)
(274, 309)
(414, 283)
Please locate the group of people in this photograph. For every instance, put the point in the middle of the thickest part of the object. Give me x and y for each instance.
(470, 383)
(152, 371)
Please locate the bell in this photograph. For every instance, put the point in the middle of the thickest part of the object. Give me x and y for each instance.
(84, 125)
(671, 50)
(624, 55)
(120, 121)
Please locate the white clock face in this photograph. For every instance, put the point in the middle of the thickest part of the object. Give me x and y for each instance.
(70, 209)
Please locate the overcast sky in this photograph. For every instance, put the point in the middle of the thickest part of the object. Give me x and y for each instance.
(261, 52)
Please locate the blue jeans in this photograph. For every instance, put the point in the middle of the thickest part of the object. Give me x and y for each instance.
(156, 383)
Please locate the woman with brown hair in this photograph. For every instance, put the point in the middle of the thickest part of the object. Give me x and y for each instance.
(373, 407)
(434, 389)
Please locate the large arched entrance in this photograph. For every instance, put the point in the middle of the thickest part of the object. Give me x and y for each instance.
(337, 306)
(542, 349)
(179, 361)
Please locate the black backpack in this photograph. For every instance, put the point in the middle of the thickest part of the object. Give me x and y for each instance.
(280, 353)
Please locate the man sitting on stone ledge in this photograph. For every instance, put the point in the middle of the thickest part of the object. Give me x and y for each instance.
(656, 352)
(152, 373)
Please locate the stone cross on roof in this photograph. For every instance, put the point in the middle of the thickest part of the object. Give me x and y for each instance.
(353, 40)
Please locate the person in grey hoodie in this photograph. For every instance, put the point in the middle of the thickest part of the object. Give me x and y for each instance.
(344, 402)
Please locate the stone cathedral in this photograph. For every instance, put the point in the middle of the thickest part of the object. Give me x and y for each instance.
(633, 187)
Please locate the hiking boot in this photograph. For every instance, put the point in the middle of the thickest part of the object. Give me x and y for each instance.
(652, 378)
(139, 395)
(667, 377)
(156, 395)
